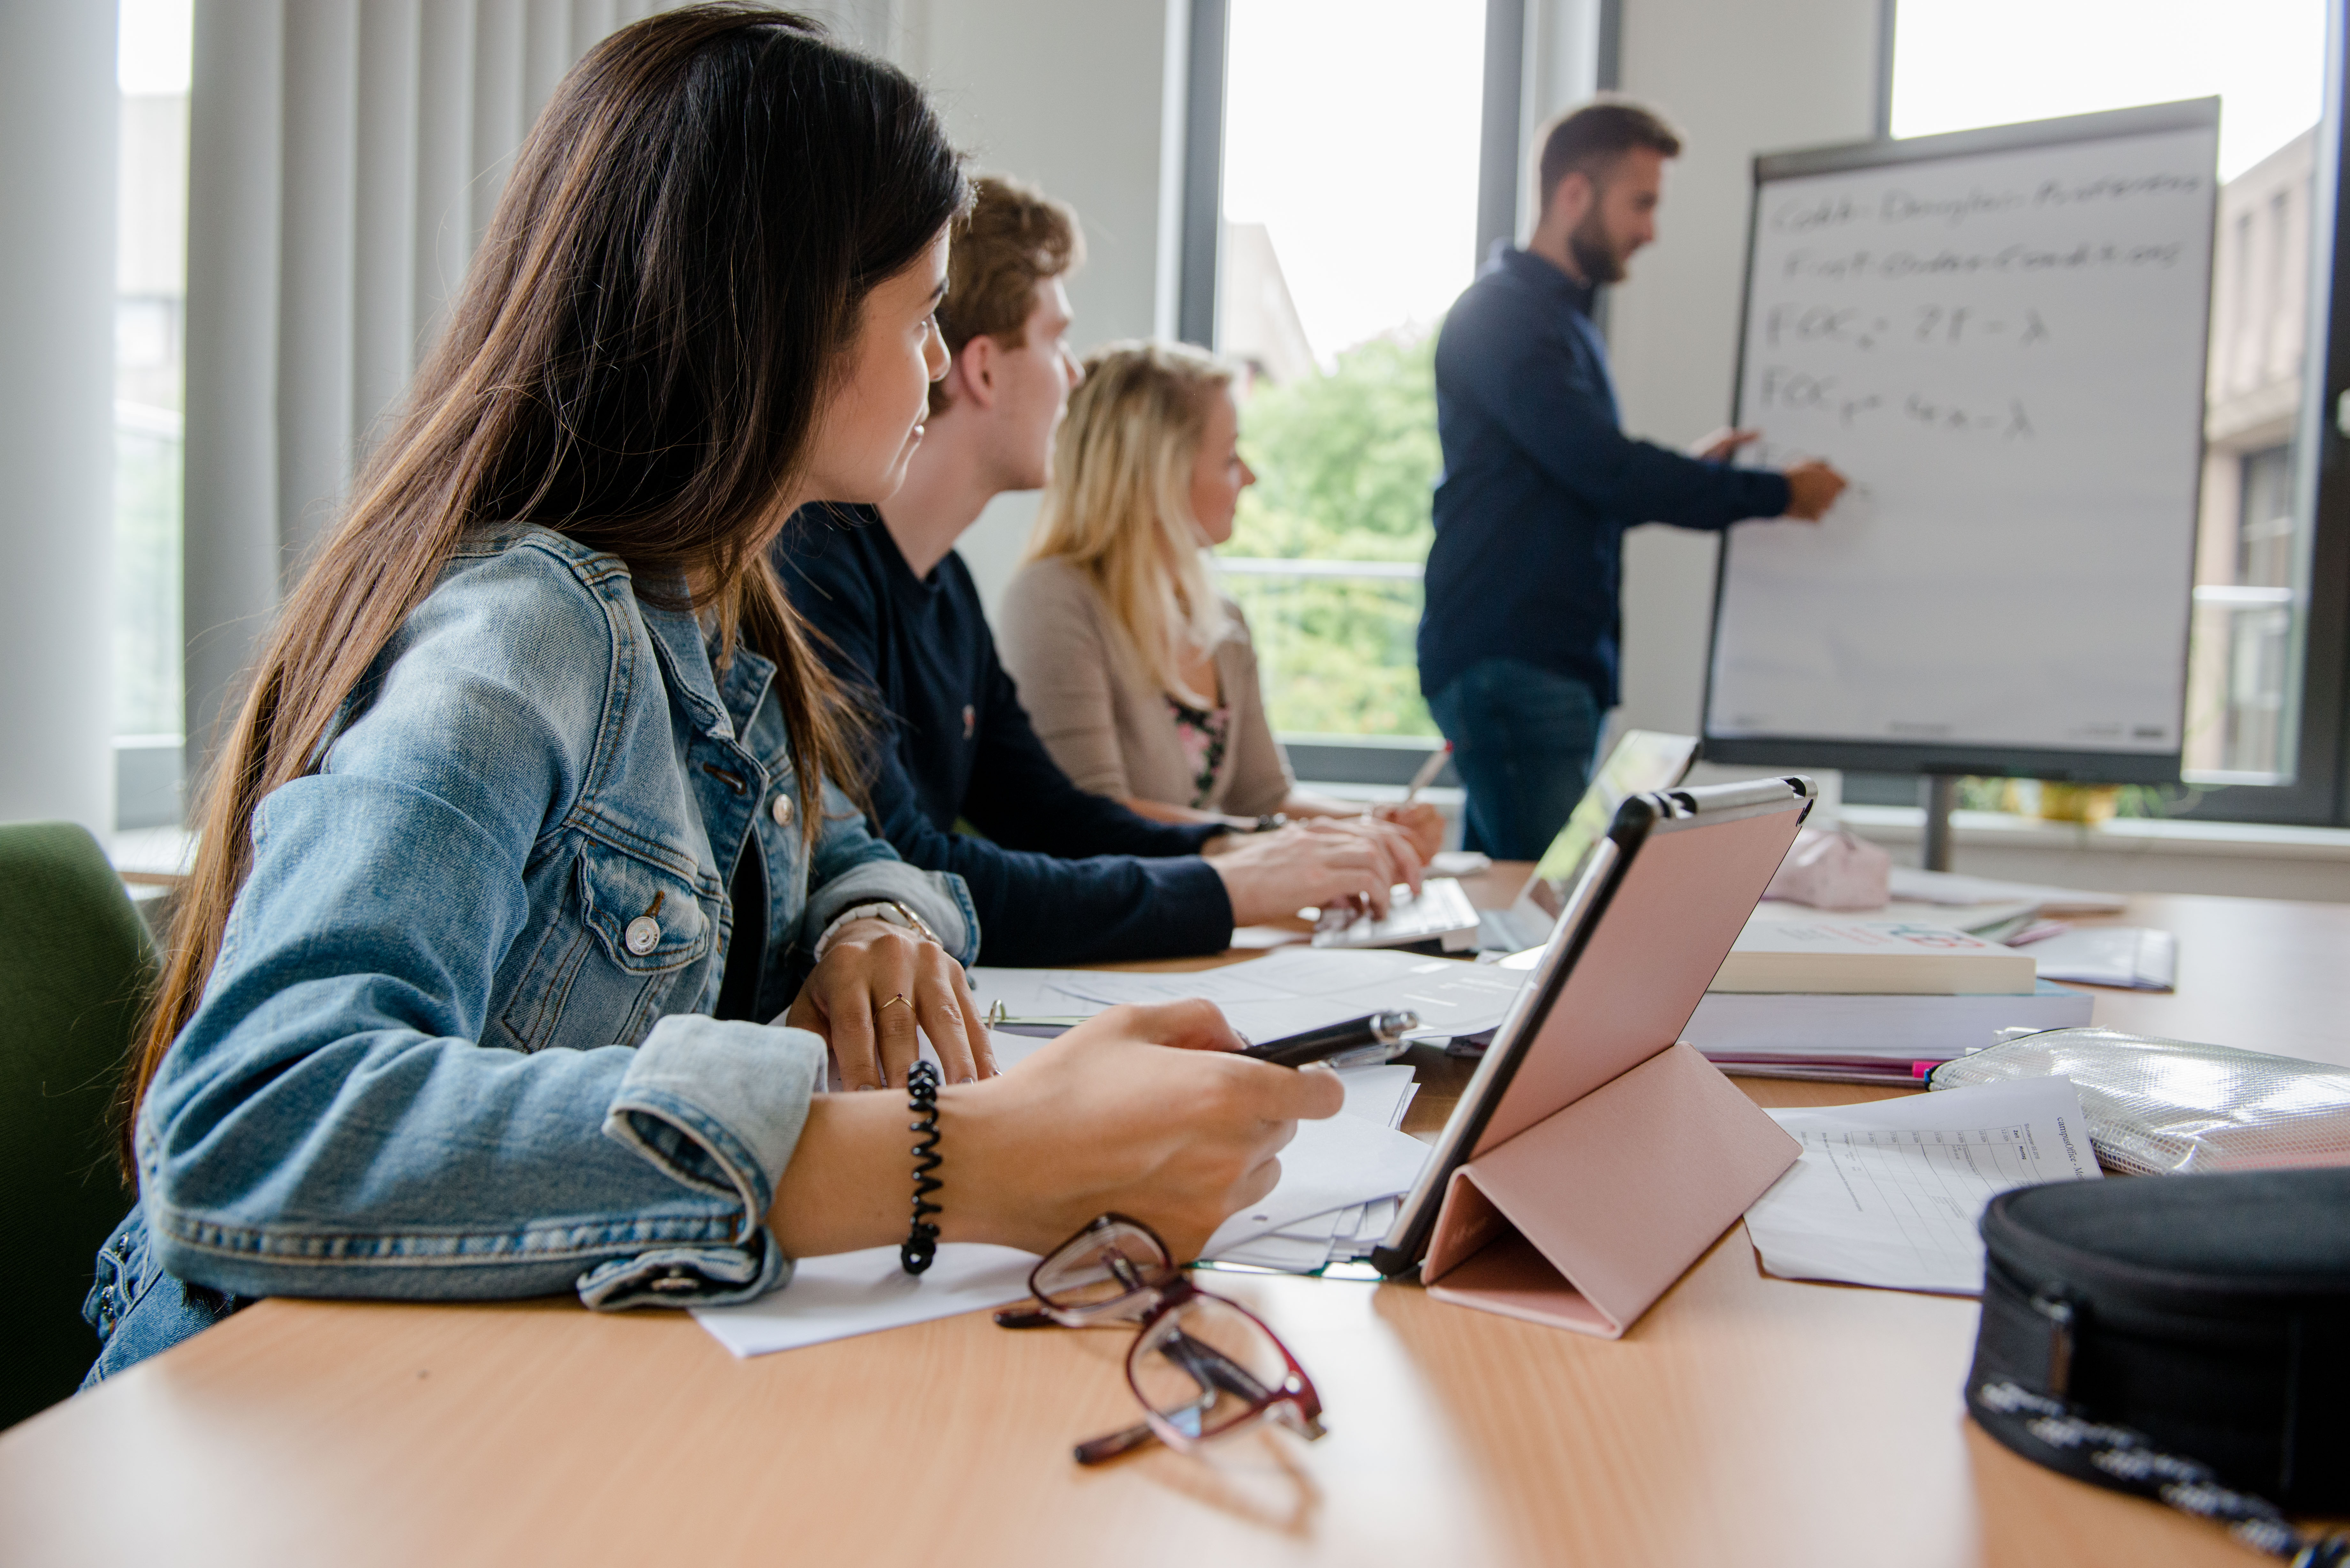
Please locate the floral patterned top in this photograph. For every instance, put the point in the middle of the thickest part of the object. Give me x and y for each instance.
(1203, 732)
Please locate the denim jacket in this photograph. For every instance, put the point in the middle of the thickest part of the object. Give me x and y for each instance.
(457, 1043)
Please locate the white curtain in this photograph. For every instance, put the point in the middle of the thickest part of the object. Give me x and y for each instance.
(344, 156)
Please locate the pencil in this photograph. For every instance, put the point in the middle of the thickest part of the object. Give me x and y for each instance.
(1428, 772)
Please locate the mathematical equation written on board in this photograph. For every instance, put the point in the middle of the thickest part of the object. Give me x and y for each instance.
(1852, 405)
(1927, 325)
(2019, 260)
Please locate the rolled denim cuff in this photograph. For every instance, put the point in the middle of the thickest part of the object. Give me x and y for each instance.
(688, 1276)
(716, 1106)
(939, 896)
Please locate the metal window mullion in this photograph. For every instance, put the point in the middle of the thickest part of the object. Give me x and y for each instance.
(1203, 171)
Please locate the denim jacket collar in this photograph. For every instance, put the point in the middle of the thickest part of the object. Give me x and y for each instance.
(723, 708)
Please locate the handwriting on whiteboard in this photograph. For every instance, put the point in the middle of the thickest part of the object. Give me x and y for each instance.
(2001, 348)
(1946, 326)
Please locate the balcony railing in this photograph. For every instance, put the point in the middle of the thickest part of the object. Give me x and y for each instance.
(2254, 626)
(1336, 643)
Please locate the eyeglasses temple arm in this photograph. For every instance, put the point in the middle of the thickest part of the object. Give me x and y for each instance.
(1024, 1317)
(1100, 1450)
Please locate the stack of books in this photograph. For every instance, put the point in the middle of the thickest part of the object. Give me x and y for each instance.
(1861, 1001)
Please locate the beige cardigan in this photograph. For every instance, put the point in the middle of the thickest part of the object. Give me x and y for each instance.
(1106, 722)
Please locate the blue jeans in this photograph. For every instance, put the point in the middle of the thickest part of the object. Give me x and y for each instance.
(1523, 741)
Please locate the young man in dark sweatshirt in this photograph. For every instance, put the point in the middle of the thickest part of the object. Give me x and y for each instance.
(1061, 876)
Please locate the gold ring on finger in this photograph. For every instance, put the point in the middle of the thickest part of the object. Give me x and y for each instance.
(898, 1000)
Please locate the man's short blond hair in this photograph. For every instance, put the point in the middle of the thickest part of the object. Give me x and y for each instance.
(1013, 238)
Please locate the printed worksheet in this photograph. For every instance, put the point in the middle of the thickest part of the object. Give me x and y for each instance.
(1284, 993)
(1889, 1193)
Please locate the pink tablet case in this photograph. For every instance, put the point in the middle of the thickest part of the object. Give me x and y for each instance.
(1616, 1157)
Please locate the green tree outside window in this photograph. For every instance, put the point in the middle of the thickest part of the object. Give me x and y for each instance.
(1345, 465)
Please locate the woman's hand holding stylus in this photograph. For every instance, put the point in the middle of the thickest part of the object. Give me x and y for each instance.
(1106, 1117)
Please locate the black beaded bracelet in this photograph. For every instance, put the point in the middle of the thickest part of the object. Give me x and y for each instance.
(923, 1098)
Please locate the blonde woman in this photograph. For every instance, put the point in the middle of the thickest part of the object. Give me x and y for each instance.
(1135, 669)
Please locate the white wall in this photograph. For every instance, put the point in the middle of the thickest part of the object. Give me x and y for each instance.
(1738, 79)
(1083, 99)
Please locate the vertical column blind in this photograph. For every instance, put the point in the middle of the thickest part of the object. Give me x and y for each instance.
(345, 157)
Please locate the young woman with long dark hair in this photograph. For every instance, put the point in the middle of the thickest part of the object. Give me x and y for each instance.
(534, 815)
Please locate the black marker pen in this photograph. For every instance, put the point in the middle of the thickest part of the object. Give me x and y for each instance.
(1373, 1031)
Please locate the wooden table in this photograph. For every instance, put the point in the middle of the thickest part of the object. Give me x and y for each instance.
(1744, 1420)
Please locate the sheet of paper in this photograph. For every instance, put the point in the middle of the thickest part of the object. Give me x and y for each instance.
(1889, 1193)
(1329, 1166)
(2135, 958)
(1283, 993)
(1344, 1237)
(861, 1293)
(1914, 885)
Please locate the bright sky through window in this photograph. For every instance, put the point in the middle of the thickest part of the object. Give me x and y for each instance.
(1963, 63)
(1351, 132)
(152, 54)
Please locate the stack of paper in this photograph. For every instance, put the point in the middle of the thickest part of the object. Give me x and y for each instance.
(1335, 1235)
(1284, 993)
(1867, 1038)
(1890, 1193)
(1344, 1237)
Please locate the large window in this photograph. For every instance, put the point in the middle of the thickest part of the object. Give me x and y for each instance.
(149, 314)
(1348, 226)
(1958, 63)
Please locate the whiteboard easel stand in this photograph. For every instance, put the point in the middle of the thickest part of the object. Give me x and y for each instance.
(1939, 793)
(1796, 735)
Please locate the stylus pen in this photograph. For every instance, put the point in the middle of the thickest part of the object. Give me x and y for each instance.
(1380, 1030)
(1428, 772)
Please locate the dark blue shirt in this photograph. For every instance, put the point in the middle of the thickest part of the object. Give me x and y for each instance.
(1539, 483)
(1063, 875)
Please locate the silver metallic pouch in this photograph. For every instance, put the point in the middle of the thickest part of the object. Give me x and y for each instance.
(2172, 1106)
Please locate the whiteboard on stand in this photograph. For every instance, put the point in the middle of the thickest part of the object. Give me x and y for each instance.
(1998, 337)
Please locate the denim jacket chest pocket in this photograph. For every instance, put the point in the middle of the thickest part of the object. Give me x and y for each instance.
(626, 938)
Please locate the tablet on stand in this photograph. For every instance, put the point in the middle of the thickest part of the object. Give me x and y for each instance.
(1593, 1158)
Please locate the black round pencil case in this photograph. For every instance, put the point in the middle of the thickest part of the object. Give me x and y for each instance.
(2181, 1337)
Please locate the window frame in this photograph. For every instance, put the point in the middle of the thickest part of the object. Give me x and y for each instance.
(2315, 692)
(2319, 795)
(1337, 759)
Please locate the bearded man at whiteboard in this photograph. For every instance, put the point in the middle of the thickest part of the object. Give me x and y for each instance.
(1519, 641)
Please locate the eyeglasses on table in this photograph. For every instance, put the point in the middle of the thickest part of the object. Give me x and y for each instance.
(1203, 1366)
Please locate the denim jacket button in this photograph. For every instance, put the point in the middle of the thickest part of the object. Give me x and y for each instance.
(643, 935)
(783, 809)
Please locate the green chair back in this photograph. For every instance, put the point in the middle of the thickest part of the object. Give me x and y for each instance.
(76, 970)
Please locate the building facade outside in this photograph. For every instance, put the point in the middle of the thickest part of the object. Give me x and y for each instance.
(2250, 565)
